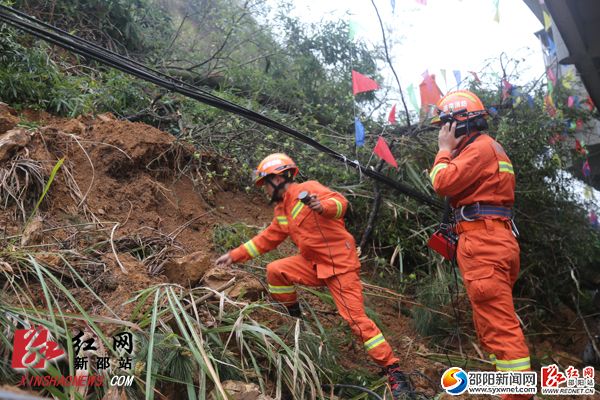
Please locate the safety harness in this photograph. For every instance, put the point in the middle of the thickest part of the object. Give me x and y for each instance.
(477, 211)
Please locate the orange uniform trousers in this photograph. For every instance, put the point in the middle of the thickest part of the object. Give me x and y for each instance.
(346, 290)
(488, 259)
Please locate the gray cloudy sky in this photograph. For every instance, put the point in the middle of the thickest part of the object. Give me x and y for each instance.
(444, 34)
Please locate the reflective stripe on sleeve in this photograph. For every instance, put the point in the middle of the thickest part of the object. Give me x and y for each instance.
(435, 171)
(282, 220)
(251, 249)
(506, 167)
(297, 208)
(338, 204)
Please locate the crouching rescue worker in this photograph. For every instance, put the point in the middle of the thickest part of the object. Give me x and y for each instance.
(313, 216)
(476, 174)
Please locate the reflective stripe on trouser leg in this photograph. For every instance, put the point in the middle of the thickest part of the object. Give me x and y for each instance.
(346, 290)
(488, 267)
(518, 364)
(283, 274)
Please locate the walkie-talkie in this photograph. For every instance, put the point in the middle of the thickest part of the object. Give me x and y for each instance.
(304, 197)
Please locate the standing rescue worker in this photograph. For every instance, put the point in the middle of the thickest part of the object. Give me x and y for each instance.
(476, 174)
(327, 255)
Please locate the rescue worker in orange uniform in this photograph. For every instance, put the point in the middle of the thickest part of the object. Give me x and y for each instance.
(327, 255)
(474, 171)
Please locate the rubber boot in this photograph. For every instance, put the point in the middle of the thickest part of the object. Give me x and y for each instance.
(399, 383)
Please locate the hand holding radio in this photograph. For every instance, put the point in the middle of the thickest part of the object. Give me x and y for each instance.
(311, 201)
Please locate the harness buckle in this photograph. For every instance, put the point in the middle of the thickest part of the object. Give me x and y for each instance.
(465, 218)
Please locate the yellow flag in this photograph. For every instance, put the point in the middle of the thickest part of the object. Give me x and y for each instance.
(557, 160)
(587, 192)
(547, 20)
(568, 79)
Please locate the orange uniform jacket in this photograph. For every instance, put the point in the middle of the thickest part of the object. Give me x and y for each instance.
(321, 238)
(482, 172)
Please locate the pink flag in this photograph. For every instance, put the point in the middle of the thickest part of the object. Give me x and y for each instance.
(361, 83)
(570, 101)
(392, 116)
(587, 171)
(551, 76)
(475, 76)
(593, 219)
(506, 86)
(383, 151)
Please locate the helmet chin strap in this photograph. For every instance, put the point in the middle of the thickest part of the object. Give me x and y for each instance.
(276, 197)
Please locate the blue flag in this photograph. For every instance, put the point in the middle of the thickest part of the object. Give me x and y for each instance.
(458, 78)
(360, 132)
(530, 101)
(551, 47)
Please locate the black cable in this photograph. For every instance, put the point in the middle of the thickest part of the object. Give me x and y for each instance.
(89, 50)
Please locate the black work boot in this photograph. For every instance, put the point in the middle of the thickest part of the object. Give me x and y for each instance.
(399, 383)
(295, 311)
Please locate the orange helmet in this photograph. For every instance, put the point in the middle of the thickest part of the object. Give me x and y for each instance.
(458, 101)
(275, 164)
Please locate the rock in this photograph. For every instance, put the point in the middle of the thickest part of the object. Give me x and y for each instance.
(73, 126)
(246, 285)
(33, 232)
(188, 270)
(8, 118)
(106, 117)
(240, 391)
(11, 140)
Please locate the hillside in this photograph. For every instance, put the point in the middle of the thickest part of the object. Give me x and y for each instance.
(131, 208)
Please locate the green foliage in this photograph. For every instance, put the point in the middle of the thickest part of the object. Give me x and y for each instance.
(434, 292)
(32, 79)
(124, 25)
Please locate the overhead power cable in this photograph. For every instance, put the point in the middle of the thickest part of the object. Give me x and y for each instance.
(90, 50)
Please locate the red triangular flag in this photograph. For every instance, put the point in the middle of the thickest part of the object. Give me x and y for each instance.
(392, 116)
(361, 83)
(383, 151)
(475, 76)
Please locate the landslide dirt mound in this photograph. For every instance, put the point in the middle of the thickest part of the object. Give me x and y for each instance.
(131, 197)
